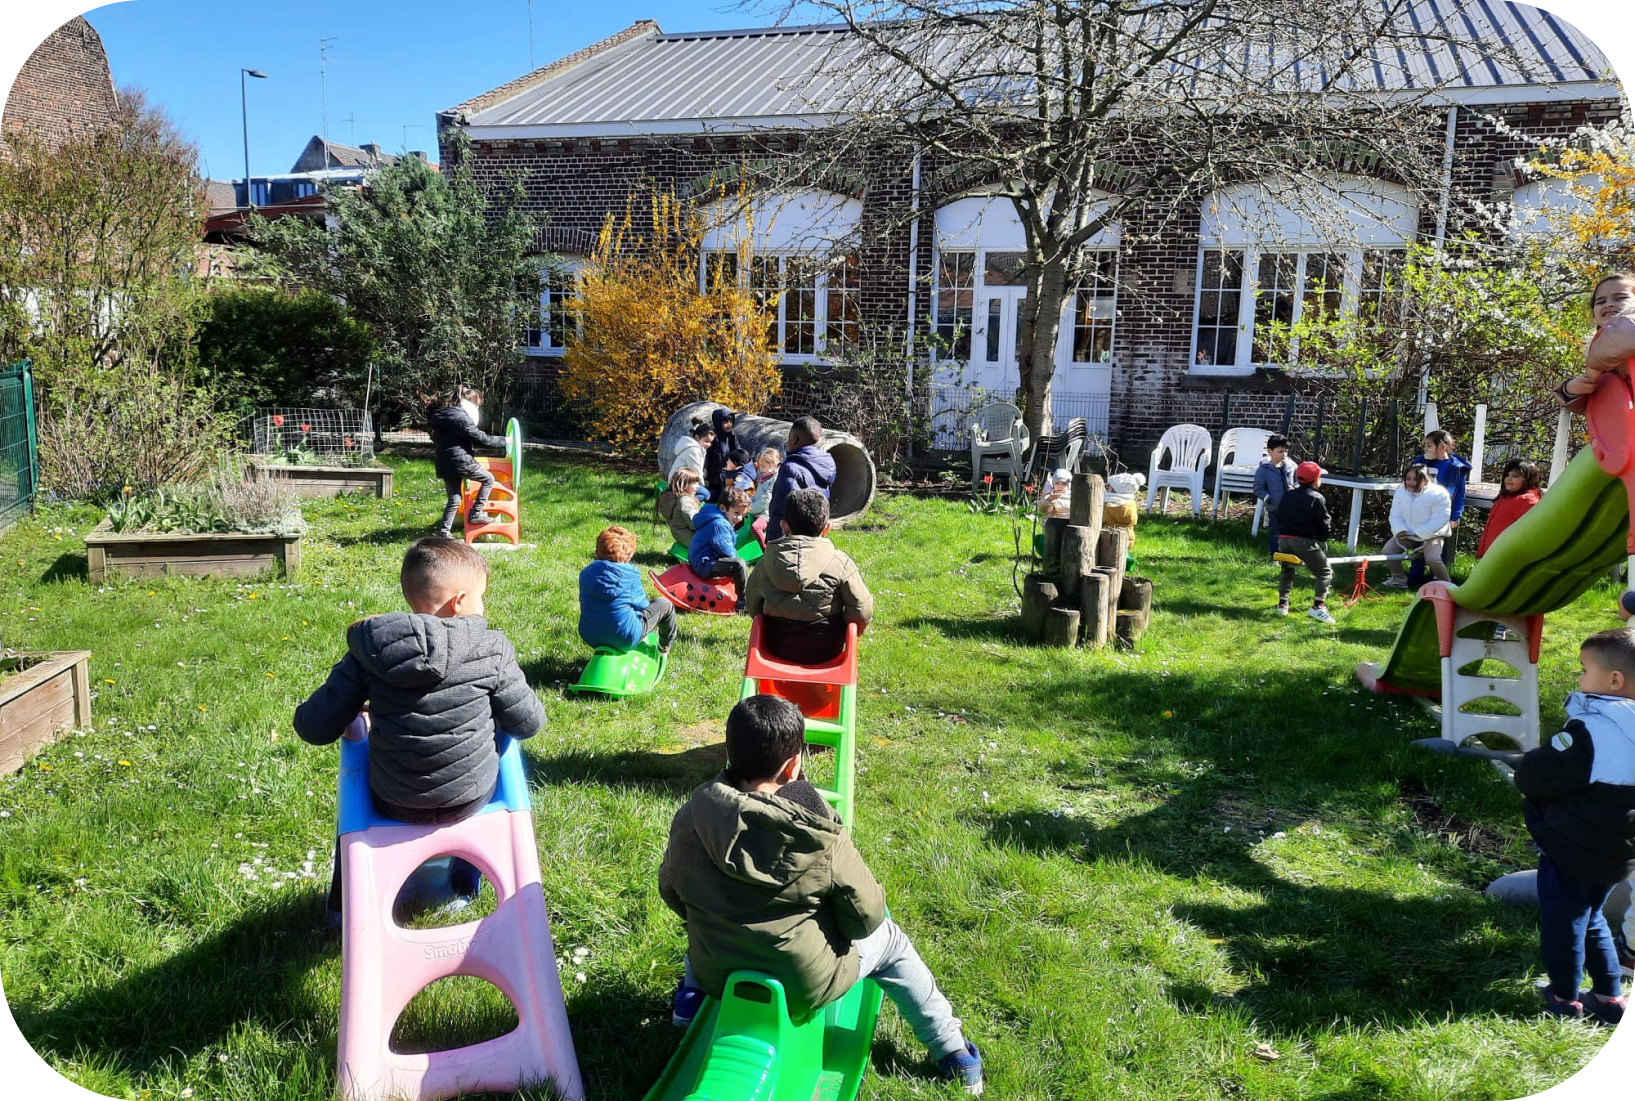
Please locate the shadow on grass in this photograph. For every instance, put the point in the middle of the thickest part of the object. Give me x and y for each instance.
(67, 567)
(1235, 768)
(1006, 628)
(404, 534)
(675, 773)
(257, 968)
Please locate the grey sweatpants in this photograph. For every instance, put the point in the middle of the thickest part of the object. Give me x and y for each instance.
(1431, 548)
(1315, 556)
(888, 957)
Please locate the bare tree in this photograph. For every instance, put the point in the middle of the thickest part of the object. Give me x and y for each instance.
(1083, 112)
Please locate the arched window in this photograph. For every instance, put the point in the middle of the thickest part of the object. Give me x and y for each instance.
(1276, 250)
(1534, 203)
(802, 249)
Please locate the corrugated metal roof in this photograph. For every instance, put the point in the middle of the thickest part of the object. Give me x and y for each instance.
(657, 80)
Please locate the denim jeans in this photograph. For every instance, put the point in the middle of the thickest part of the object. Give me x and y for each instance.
(1571, 922)
(887, 956)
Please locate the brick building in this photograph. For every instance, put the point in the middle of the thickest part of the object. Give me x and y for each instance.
(1163, 332)
(64, 89)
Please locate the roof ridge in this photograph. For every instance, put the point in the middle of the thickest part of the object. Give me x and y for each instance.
(638, 29)
(756, 32)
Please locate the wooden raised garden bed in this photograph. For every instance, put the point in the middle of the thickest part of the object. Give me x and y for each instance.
(151, 554)
(40, 695)
(327, 481)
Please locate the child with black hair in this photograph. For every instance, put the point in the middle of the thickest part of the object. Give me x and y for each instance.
(1273, 478)
(1518, 492)
(454, 436)
(738, 471)
(806, 587)
(713, 551)
(1580, 809)
(766, 878)
(723, 421)
(692, 452)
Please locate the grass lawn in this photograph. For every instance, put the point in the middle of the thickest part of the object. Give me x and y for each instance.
(1128, 870)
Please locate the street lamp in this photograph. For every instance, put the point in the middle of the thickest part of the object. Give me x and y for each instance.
(244, 109)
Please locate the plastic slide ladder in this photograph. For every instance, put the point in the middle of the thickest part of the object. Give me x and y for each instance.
(504, 501)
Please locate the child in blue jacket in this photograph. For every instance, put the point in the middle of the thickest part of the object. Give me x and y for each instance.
(613, 607)
(1273, 478)
(714, 550)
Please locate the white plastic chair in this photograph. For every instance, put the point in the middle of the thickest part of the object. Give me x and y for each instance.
(1189, 447)
(1241, 451)
(999, 439)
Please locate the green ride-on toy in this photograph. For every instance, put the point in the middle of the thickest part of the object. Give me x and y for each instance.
(611, 672)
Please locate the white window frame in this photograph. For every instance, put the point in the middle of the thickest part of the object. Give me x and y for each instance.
(1244, 362)
(561, 282)
(979, 284)
(781, 322)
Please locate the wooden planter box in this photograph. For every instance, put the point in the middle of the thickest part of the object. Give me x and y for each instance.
(327, 481)
(150, 554)
(40, 695)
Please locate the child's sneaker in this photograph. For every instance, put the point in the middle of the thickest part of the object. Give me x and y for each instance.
(1282, 608)
(443, 533)
(1394, 583)
(1320, 613)
(685, 1004)
(964, 1067)
(1557, 1007)
(482, 518)
(1606, 1011)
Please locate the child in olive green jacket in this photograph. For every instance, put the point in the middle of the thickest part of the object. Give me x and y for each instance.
(765, 876)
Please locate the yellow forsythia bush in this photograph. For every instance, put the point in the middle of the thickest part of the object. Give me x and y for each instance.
(647, 341)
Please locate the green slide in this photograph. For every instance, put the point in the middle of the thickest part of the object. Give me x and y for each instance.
(1542, 562)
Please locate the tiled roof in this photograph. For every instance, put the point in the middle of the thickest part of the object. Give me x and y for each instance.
(645, 80)
(220, 195)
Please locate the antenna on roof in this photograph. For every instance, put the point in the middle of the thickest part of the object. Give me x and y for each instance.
(351, 138)
(323, 88)
(530, 35)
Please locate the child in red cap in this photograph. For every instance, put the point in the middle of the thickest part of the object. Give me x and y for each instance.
(1303, 531)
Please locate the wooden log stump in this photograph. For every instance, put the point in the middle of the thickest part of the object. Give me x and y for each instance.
(1052, 558)
(1089, 495)
(1039, 592)
(1134, 610)
(1078, 557)
(1062, 627)
(1112, 551)
(1094, 622)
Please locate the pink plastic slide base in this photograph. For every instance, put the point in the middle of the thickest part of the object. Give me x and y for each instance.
(384, 966)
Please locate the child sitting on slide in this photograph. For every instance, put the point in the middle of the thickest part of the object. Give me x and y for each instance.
(1518, 492)
(613, 607)
(1580, 809)
(806, 588)
(713, 551)
(679, 503)
(1612, 305)
(766, 878)
(439, 683)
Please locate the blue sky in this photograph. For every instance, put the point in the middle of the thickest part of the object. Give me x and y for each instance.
(393, 64)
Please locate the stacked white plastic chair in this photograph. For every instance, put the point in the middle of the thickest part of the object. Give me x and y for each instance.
(999, 439)
(1189, 449)
(1241, 451)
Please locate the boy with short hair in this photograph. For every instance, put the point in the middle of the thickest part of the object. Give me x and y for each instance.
(766, 878)
(807, 466)
(613, 607)
(806, 587)
(1303, 531)
(1273, 478)
(454, 436)
(1580, 809)
(714, 549)
(439, 683)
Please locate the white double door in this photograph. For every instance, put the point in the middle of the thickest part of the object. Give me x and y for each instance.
(1082, 388)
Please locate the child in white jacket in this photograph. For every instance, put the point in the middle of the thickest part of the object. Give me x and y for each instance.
(1421, 520)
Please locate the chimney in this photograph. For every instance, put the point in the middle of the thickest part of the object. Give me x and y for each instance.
(418, 153)
(372, 148)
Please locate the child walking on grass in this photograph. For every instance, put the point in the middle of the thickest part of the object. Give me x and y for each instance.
(613, 607)
(1580, 792)
(766, 878)
(1303, 531)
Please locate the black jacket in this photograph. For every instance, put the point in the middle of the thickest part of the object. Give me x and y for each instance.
(716, 457)
(437, 691)
(1580, 789)
(455, 437)
(1303, 513)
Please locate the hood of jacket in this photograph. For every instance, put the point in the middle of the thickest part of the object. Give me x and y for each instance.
(707, 515)
(798, 562)
(759, 838)
(602, 580)
(449, 418)
(413, 650)
(1609, 719)
(817, 461)
(718, 421)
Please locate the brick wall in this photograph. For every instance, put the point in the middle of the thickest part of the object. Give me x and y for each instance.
(64, 89)
(577, 183)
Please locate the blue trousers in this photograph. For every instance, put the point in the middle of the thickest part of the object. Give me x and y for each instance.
(1571, 921)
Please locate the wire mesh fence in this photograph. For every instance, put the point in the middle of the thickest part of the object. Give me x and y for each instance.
(947, 411)
(19, 445)
(310, 437)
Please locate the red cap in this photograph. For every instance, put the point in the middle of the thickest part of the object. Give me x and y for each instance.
(1308, 472)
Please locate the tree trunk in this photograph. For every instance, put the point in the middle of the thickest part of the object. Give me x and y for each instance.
(1078, 557)
(1040, 326)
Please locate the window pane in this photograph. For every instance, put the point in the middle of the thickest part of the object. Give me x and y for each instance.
(764, 284)
(955, 298)
(1219, 298)
(1094, 309)
(994, 306)
(720, 269)
(1003, 269)
(1324, 287)
(1379, 296)
(800, 307)
(842, 305)
(1274, 297)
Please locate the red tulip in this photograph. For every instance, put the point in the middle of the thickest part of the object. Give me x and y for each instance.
(278, 419)
(347, 440)
(306, 428)
(987, 479)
